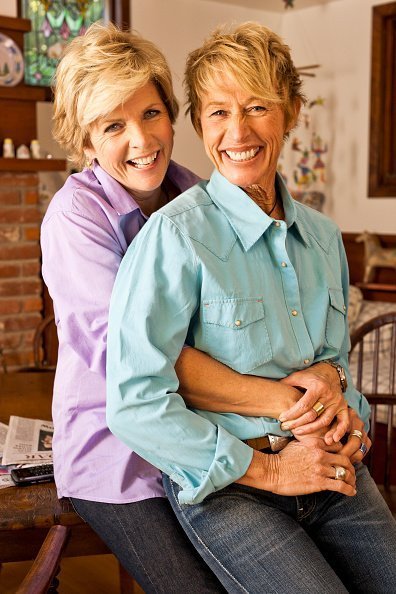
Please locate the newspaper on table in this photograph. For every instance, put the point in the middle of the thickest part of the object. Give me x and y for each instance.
(28, 441)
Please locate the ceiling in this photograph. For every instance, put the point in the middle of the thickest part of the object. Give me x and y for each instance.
(274, 5)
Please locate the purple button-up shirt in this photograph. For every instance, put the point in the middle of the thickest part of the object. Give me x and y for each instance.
(86, 231)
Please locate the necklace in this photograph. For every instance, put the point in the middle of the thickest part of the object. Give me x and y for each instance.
(273, 208)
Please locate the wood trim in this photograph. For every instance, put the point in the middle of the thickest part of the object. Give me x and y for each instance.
(382, 160)
(15, 24)
(119, 13)
(23, 165)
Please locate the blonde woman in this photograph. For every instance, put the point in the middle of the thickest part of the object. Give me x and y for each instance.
(259, 282)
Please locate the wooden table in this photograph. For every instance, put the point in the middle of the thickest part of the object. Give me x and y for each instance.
(26, 513)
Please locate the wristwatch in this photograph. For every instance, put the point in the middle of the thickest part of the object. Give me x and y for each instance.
(341, 373)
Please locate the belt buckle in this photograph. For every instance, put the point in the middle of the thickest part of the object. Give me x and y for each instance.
(277, 442)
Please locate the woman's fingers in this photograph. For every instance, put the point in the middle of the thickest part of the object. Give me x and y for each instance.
(338, 430)
(303, 470)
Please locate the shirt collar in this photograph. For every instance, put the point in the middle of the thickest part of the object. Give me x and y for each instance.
(119, 198)
(244, 215)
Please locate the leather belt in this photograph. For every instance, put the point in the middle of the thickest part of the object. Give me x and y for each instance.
(275, 443)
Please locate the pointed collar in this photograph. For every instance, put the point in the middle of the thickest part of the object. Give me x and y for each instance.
(244, 215)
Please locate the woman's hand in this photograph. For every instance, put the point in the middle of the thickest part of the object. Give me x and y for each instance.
(299, 469)
(352, 446)
(320, 383)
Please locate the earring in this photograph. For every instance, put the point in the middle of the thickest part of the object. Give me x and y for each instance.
(88, 162)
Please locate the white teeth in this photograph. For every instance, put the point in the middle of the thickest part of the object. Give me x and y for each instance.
(244, 155)
(139, 163)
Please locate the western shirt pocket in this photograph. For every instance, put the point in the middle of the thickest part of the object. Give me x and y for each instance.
(335, 324)
(235, 332)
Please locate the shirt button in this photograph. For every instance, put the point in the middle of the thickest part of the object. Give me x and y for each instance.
(238, 322)
(294, 312)
(277, 224)
(306, 361)
(344, 307)
(284, 264)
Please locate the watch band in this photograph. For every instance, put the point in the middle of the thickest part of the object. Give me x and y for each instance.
(341, 373)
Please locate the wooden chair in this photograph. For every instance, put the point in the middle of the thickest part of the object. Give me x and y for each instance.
(45, 359)
(373, 368)
(46, 566)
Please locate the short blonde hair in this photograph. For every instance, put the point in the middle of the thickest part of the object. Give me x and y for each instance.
(255, 57)
(99, 72)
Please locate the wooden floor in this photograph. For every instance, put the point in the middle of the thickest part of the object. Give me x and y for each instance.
(79, 575)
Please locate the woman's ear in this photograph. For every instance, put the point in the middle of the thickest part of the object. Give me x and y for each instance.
(89, 155)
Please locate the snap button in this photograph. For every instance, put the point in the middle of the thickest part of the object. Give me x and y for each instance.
(306, 361)
(294, 312)
(277, 224)
(238, 322)
(284, 264)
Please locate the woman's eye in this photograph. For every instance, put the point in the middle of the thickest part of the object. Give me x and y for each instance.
(257, 109)
(113, 127)
(151, 113)
(218, 112)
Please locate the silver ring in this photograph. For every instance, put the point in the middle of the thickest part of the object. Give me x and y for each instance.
(356, 433)
(340, 473)
(363, 448)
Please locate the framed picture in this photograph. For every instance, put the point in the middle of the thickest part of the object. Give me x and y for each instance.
(54, 24)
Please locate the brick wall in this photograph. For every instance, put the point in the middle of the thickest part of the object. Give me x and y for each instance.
(20, 284)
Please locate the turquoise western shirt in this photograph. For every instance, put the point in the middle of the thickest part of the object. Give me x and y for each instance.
(265, 297)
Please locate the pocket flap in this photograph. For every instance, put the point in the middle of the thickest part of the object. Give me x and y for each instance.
(337, 300)
(233, 313)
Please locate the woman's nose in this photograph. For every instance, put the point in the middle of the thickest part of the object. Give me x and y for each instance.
(238, 128)
(137, 135)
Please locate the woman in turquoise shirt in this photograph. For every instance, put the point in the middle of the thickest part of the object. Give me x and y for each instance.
(260, 282)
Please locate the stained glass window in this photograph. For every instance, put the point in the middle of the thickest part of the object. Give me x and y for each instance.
(54, 24)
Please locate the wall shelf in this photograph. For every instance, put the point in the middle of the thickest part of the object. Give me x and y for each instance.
(24, 92)
(26, 165)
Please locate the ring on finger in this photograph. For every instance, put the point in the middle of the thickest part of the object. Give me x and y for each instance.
(318, 407)
(340, 473)
(356, 433)
(363, 448)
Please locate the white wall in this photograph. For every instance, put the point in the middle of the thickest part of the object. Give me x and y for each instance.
(338, 36)
(335, 34)
(177, 27)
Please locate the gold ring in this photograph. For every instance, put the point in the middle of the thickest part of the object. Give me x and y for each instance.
(356, 433)
(318, 407)
(340, 473)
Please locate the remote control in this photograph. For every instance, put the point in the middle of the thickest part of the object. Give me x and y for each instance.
(33, 474)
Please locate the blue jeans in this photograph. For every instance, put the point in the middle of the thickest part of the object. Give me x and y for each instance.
(148, 541)
(325, 543)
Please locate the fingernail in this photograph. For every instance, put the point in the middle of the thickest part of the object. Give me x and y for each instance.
(285, 426)
(282, 417)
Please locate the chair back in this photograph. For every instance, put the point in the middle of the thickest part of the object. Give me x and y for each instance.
(372, 363)
(45, 344)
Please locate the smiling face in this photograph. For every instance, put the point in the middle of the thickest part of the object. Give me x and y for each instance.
(134, 143)
(243, 135)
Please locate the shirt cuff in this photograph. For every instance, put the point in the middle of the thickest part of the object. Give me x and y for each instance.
(231, 461)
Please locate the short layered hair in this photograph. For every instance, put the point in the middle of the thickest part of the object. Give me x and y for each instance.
(255, 57)
(99, 72)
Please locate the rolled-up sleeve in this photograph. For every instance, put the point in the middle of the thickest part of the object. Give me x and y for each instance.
(154, 300)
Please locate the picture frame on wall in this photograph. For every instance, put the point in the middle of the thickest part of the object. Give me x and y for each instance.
(54, 24)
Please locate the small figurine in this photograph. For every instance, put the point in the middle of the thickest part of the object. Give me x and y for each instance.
(375, 256)
(35, 149)
(8, 149)
(23, 152)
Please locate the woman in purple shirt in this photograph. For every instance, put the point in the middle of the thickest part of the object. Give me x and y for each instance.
(114, 111)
